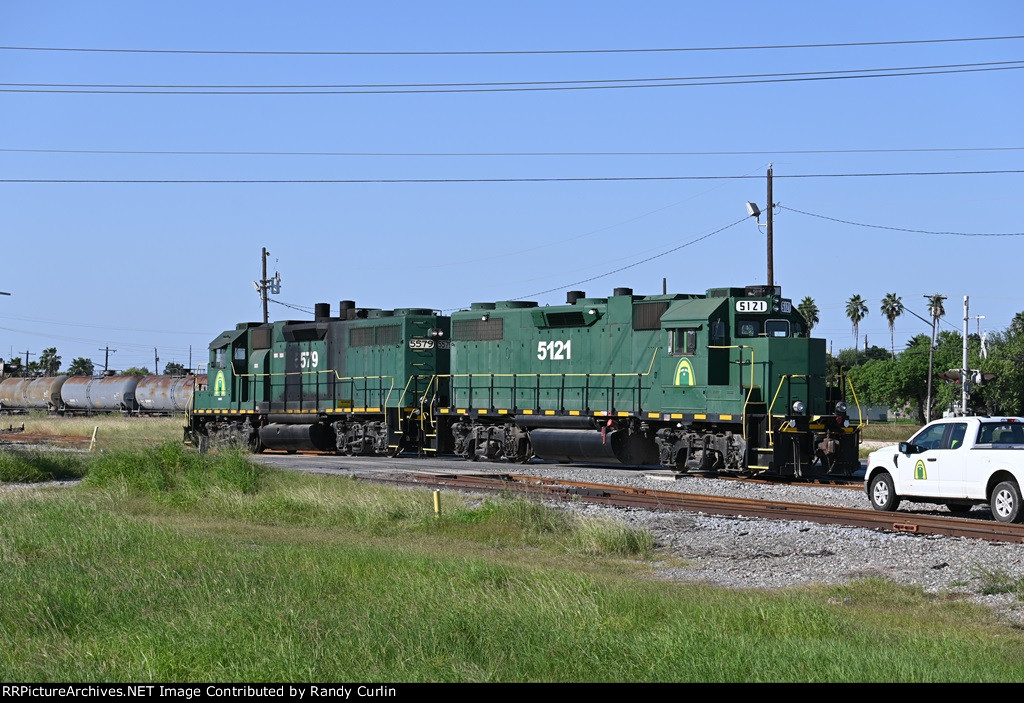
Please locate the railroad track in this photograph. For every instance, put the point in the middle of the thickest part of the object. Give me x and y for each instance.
(625, 496)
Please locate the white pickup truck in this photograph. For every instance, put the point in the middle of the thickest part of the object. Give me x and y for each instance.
(957, 461)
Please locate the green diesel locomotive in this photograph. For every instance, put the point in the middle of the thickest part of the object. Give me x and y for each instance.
(727, 381)
(354, 383)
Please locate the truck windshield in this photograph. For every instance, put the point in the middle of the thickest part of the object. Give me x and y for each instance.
(1001, 433)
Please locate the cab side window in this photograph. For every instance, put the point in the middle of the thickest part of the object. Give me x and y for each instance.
(957, 432)
(930, 438)
(683, 342)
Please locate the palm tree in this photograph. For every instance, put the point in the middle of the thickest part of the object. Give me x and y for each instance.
(809, 310)
(935, 307)
(49, 361)
(892, 307)
(937, 311)
(1017, 323)
(856, 310)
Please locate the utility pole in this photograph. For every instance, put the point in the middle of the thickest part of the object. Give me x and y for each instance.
(156, 362)
(25, 367)
(965, 370)
(263, 286)
(107, 351)
(190, 358)
(771, 264)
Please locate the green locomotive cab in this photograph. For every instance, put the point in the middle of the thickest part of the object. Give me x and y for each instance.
(359, 383)
(727, 381)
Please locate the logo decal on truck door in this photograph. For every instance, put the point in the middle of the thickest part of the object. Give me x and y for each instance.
(920, 474)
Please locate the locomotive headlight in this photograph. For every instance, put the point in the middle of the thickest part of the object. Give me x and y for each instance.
(792, 423)
(840, 407)
(798, 407)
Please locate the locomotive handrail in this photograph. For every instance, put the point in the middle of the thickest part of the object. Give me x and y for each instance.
(750, 390)
(562, 376)
(860, 414)
(337, 377)
(782, 380)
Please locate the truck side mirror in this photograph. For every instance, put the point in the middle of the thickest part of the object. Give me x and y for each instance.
(908, 448)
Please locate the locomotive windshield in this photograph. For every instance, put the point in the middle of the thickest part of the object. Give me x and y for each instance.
(776, 328)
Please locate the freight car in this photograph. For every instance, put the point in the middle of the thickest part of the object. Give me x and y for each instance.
(726, 381)
(147, 395)
(355, 383)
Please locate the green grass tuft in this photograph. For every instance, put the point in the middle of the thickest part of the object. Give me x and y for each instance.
(33, 466)
(997, 581)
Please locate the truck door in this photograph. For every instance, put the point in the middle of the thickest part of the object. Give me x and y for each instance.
(918, 474)
(954, 460)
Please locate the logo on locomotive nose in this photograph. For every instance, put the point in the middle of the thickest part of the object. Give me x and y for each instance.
(219, 386)
(684, 373)
(920, 473)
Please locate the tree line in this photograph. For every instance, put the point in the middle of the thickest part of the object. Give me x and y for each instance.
(49, 363)
(900, 379)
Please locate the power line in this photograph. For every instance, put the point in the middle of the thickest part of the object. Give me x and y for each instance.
(571, 179)
(905, 229)
(532, 88)
(327, 86)
(637, 263)
(520, 52)
(511, 153)
(300, 308)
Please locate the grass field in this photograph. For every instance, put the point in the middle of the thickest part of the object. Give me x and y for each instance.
(886, 432)
(115, 431)
(166, 565)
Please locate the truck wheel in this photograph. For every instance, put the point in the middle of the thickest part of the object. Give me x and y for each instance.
(883, 493)
(1006, 502)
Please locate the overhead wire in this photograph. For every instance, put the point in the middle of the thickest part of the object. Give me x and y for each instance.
(553, 179)
(511, 153)
(478, 84)
(903, 229)
(637, 263)
(524, 52)
(531, 88)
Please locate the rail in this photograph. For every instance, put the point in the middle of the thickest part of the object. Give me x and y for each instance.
(625, 496)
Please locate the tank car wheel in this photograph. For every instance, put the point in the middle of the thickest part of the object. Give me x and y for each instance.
(1006, 502)
(883, 493)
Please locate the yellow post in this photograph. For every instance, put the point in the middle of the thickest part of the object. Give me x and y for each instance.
(437, 504)
(92, 442)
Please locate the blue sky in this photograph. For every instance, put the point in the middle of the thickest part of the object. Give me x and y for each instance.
(170, 265)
